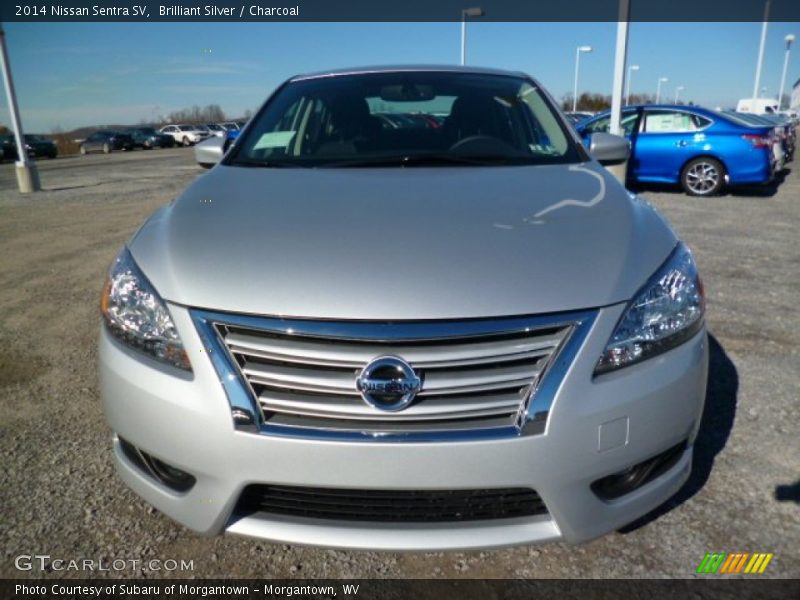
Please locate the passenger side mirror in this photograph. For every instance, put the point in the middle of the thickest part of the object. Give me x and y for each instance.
(609, 149)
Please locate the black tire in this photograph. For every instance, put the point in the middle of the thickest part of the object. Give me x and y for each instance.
(106, 148)
(703, 176)
(186, 141)
(206, 165)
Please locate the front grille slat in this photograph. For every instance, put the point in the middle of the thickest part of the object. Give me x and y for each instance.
(476, 381)
(354, 408)
(408, 506)
(344, 354)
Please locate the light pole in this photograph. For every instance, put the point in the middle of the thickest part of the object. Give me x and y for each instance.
(27, 174)
(658, 87)
(677, 92)
(473, 13)
(788, 39)
(631, 69)
(578, 51)
(757, 82)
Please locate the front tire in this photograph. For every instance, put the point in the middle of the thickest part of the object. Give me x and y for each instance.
(186, 141)
(703, 176)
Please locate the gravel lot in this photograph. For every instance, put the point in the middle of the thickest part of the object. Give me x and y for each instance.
(59, 494)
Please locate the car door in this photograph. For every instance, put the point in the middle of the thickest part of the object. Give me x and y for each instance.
(667, 138)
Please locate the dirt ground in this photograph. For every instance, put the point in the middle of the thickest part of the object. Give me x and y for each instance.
(59, 494)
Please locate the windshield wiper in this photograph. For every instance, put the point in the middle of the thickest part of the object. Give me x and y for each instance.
(422, 160)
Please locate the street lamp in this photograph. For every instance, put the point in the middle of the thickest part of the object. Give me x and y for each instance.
(631, 69)
(658, 87)
(788, 39)
(678, 91)
(27, 173)
(578, 52)
(472, 13)
(757, 82)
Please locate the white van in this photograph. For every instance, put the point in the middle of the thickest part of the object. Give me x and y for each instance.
(757, 106)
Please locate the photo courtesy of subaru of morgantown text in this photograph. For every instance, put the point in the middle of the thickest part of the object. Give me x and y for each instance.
(359, 332)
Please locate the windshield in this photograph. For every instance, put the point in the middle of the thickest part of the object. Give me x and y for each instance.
(406, 119)
(34, 138)
(146, 131)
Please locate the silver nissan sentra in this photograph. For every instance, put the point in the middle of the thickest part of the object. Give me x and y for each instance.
(407, 311)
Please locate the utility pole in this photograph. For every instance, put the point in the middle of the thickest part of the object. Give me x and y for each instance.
(27, 174)
(757, 82)
(620, 58)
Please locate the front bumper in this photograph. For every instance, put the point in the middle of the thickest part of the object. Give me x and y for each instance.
(596, 427)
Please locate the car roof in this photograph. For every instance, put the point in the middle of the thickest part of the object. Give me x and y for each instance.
(408, 68)
(685, 107)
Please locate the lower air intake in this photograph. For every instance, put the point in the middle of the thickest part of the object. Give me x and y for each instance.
(424, 506)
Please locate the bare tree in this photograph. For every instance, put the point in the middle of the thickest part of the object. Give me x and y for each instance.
(195, 115)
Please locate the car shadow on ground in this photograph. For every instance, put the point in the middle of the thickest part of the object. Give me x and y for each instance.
(767, 190)
(715, 428)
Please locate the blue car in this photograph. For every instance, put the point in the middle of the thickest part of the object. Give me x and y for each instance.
(701, 150)
(231, 136)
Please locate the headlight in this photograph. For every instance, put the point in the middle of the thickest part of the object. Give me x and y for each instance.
(666, 312)
(136, 315)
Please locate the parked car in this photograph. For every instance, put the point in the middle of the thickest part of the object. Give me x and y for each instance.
(36, 146)
(106, 141)
(577, 117)
(215, 129)
(148, 138)
(701, 150)
(787, 132)
(185, 135)
(430, 338)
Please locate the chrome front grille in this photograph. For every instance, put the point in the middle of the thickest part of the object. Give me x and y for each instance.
(473, 377)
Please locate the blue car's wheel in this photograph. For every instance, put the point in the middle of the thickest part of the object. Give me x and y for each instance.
(703, 177)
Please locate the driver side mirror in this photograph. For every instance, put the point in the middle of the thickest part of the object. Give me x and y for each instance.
(609, 149)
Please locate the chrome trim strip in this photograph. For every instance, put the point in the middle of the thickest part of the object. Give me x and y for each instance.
(246, 412)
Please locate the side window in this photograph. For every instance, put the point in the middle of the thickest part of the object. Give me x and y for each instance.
(665, 121)
(628, 122)
(599, 126)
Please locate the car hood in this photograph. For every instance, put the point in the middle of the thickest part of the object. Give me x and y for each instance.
(402, 243)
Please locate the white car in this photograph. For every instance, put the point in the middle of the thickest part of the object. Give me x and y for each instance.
(185, 134)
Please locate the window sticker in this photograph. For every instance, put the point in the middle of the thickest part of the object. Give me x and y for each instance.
(274, 139)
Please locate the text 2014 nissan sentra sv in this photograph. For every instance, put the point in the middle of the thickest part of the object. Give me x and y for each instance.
(408, 310)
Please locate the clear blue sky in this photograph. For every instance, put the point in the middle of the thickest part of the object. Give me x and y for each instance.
(70, 75)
